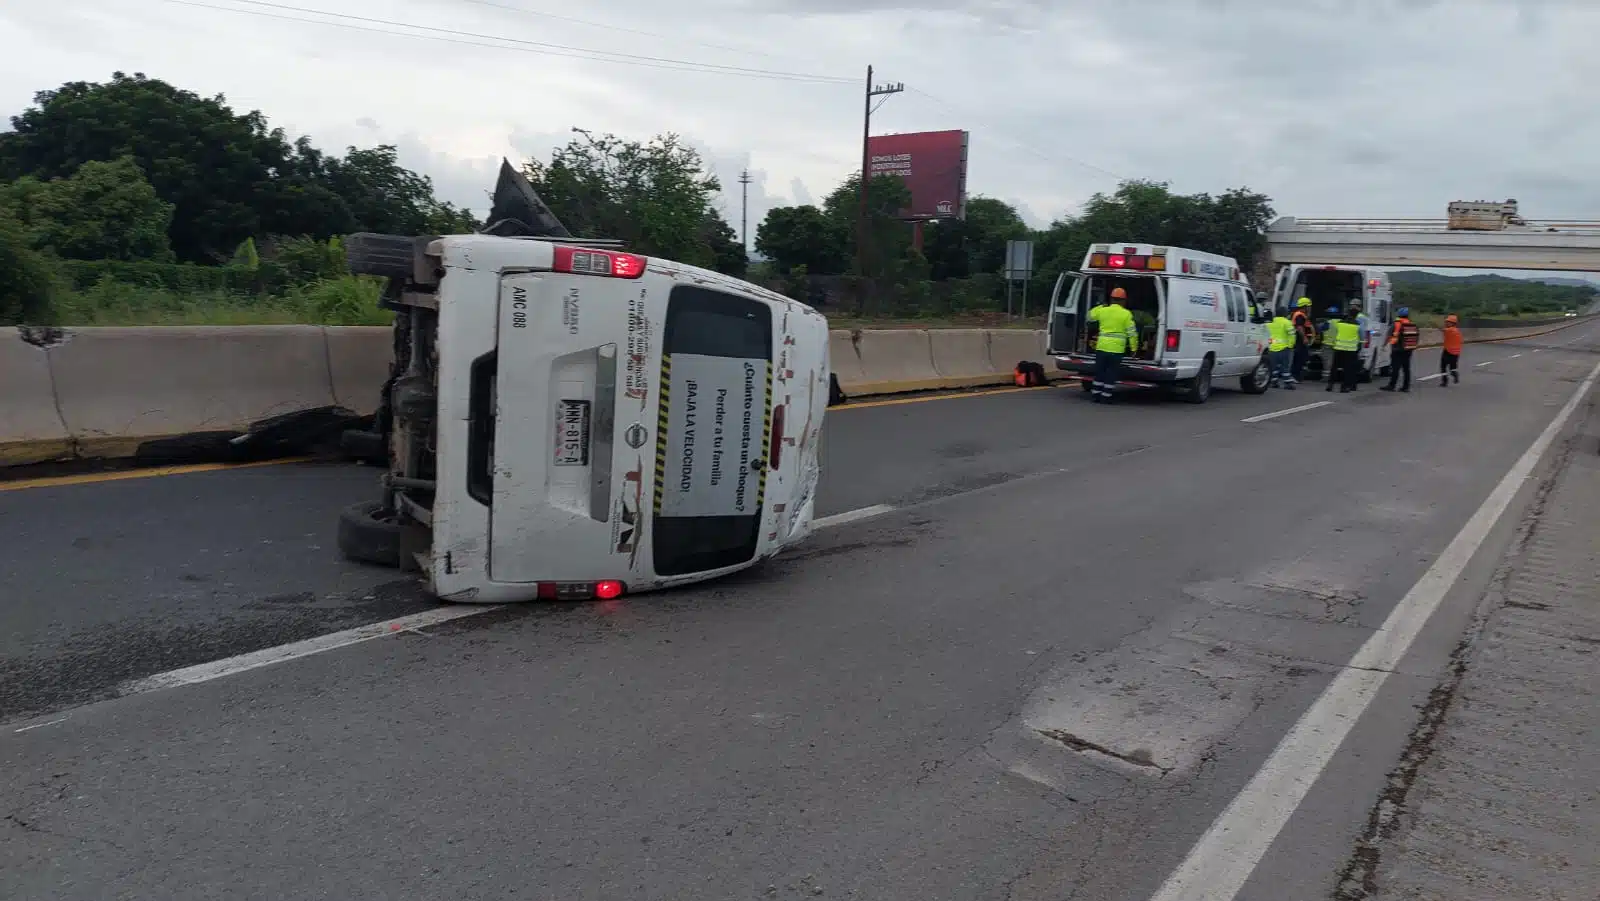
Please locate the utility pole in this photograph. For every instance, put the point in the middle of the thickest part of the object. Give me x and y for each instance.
(866, 168)
(744, 210)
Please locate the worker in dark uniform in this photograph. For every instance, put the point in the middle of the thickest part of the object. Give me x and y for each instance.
(1403, 339)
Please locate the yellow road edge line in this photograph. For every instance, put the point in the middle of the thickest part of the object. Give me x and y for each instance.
(90, 478)
(933, 397)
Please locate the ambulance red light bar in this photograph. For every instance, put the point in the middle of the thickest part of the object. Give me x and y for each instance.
(1134, 261)
(606, 263)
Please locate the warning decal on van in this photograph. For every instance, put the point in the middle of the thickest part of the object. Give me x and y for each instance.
(715, 414)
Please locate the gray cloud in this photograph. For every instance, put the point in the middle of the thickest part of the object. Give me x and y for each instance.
(1333, 107)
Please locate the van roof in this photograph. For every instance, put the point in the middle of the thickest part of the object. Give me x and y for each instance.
(493, 251)
(1175, 261)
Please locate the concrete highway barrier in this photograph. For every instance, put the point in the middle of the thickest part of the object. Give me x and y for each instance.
(898, 360)
(101, 392)
(358, 364)
(31, 428)
(961, 356)
(120, 387)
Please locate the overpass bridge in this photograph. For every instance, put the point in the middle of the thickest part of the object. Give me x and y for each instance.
(1562, 245)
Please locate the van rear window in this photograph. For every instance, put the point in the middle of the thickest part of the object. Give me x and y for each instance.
(717, 351)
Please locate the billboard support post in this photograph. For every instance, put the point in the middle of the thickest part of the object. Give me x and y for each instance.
(866, 167)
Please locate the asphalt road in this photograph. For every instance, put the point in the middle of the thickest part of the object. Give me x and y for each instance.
(1041, 676)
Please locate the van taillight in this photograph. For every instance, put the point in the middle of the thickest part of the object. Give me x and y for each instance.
(606, 590)
(584, 261)
(1173, 338)
(775, 453)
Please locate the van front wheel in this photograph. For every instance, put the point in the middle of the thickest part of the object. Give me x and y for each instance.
(1199, 390)
(1258, 379)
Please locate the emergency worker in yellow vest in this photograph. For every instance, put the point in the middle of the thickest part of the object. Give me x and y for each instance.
(1280, 350)
(1118, 336)
(1345, 337)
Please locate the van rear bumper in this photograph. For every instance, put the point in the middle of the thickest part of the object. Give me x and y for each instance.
(1135, 371)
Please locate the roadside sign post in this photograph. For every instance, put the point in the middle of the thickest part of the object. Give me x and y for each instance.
(1019, 268)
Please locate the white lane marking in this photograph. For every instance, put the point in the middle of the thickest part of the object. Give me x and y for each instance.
(1300, 409)
(39, 726)
(1222, 860)
(1537, 349)
(216, 669)
(1513, 356)
(839, 519)
(1485, 362)
(1428, 378)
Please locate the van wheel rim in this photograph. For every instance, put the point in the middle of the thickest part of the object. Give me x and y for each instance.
(1260, 375)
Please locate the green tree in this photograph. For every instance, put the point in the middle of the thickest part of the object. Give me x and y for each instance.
(960, 248)
(888, 236)
(29, 284)
(103, 211)
(383, 196)
(655, 195)
(728, 256)
(228, 176)
(803, 236)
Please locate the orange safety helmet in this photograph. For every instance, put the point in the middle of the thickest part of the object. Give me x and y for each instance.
(1451, 319)
(1118, 294)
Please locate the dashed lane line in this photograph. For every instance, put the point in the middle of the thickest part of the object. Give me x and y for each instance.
(1276, 413)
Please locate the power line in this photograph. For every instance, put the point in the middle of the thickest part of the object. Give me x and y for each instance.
(467, 38)
(1020, 144)
(610, 27)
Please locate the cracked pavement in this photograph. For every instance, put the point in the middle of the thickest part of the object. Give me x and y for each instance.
(863, 718)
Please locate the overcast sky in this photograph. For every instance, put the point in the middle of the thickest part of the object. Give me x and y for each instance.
(1331, 107)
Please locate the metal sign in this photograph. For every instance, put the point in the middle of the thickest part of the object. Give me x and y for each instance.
(1019, 260)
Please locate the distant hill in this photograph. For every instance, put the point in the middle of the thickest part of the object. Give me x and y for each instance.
(1417, 277)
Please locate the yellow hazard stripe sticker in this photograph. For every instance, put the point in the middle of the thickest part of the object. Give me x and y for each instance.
(663, 417)
(766, 429)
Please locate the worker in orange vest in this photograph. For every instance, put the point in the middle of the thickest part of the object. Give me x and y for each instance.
(1450, 359)
(1403, 339)
(1305, 335)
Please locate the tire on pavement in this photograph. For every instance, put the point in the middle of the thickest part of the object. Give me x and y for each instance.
(368, 533)
(1198, 390)
(1258, 379)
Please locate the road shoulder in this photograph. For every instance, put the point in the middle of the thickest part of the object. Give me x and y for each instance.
(1496, 796)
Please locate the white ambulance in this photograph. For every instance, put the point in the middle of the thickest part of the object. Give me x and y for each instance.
(570, 421)
(1197, 317)
(1330, 288)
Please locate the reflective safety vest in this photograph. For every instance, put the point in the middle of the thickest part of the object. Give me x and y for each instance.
(1346, 336)
(1118, 333)
(1280, 331)
(1307, 328)
(1406, 335)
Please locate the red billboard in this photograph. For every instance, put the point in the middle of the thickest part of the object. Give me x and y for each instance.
(934, 165)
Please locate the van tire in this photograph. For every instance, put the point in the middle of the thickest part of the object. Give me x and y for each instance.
(368, 533)
(389, 256)
(1259, 378)
(1199, 388)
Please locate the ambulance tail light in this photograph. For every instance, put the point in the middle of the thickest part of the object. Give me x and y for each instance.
(604, 590)
(605, 263)
(1174, 339)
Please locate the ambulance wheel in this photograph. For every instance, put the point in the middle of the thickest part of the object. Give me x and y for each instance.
(1366, 375)
(368, 533)
(1086, 385)
(1258, 379)
(1199, 389)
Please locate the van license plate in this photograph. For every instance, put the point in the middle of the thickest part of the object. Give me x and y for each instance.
(572, 433)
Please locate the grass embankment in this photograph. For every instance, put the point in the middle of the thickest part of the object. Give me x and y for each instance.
(349, 300)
